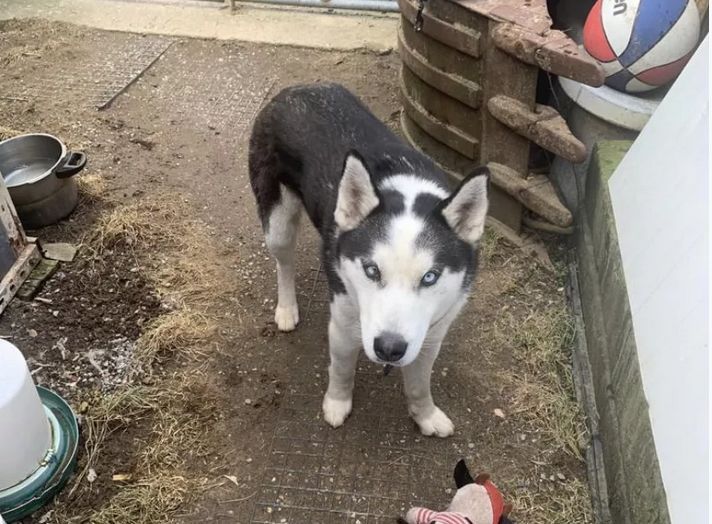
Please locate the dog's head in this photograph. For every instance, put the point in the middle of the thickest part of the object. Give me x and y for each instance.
(407, 252)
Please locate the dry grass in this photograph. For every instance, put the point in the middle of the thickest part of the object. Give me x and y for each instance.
(109, 413)
(92, 188)
(543, 391)
(152, 499)
(6, 132)
(126, 405)
(178, 257)
(175, 436)
(565, 502)
(142, 224)
(543, 394)
(179, 254)
(178, 331)
(488, 245)
(162, 484)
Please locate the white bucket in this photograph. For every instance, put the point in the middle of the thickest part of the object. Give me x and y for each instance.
(25, 432)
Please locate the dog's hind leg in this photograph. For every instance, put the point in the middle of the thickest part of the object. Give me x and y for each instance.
(281, 227)
(279, 209)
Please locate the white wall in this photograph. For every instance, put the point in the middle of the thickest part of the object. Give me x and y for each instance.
(660, 197)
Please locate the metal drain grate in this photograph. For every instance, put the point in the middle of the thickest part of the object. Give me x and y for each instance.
(108, 65)
(369, 471)
(207, 90)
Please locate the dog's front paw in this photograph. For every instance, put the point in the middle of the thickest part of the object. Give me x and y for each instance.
(435, 424)
(286, 317)
(336, 411)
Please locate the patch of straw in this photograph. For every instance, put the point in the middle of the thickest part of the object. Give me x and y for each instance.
(175, 437)
(184, 265)
(488, 245)
(565, 502)
(178, 257)
(92, 187)
(125, 405)
(6, 132)
(151, 499)
(114, 411)
(543, 392)
(180, 330)
(139, 224)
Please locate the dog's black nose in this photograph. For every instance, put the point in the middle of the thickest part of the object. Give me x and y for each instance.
(390, 347)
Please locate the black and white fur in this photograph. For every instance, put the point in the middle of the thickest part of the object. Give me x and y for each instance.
(399, 249)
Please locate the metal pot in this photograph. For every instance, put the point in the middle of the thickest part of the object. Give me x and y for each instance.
(37, 170)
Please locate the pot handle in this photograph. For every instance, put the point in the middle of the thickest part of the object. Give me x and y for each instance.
(73, 163)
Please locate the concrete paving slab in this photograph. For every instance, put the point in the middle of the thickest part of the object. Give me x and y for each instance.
(249, 23)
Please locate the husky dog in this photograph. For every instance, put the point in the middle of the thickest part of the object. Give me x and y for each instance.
(398, 247)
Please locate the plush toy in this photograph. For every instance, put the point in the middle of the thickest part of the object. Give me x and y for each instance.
(476, 501)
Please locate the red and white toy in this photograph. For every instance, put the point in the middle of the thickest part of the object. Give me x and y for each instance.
(476, 501)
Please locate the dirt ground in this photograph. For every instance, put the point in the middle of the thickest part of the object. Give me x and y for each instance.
(160, 333)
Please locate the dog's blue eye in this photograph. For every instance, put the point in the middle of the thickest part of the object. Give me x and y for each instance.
(372, 272)
(430, 278)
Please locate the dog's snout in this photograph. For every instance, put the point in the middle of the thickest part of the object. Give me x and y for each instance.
(390, 347)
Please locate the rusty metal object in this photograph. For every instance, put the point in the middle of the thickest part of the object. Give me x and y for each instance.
(553, 52)
(449, 159)
(18, 255)
(536, 193)
(532, 14)
(468, 87)
(454, 35)
(446, 133)
(502, 207)
(11, 230)
(447, 110)
(18, 273)
(542, 225)
(440, 56)
(460, 88)
(544, 126)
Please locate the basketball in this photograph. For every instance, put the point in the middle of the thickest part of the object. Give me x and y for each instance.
(641, 44)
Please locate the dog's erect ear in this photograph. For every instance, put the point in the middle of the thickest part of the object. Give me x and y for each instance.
(357, 196)
(466, 209)
(462, 475)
